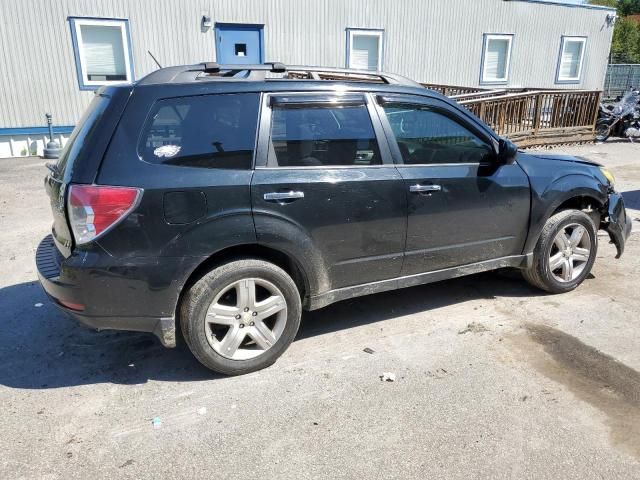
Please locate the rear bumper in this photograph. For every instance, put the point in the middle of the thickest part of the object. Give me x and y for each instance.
(107, 293)
(619, 224)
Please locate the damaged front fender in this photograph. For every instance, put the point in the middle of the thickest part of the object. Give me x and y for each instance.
(618, 224)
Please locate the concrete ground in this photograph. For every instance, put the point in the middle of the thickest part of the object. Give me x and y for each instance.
(493, 378)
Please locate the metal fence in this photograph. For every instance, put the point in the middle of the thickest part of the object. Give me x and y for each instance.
(539, 117)
(619, 78)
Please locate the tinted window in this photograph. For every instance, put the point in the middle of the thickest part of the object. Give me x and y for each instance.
(213, 131)
(322, 136)
(426, 136)
(83, 135)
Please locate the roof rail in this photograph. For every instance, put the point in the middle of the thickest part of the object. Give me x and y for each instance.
(259, 72)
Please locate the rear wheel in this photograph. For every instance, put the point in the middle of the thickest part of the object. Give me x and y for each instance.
(603, 130)
(565, 252)
(241, 316)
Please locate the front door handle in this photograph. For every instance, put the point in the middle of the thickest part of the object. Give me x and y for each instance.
(424, 188)
(280, 196)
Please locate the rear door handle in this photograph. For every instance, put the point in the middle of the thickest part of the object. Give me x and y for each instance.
(424, 188)
(280, 196)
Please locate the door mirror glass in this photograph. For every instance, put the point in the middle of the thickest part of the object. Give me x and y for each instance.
(508, 151)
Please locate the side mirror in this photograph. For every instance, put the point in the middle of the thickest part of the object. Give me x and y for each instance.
(507, 152)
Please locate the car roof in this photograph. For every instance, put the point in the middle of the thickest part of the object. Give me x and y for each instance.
(274, 77)
(209, 71)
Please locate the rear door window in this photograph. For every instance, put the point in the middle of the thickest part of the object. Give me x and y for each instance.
(322, 135)
(210, 131)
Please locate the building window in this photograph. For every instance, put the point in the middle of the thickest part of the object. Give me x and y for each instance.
(496, 58)
(364, 49)
(102, 50)
(570, 61)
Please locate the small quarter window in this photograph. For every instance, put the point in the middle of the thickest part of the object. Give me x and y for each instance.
(317, 136)
(211, 131)
(426, 136)
(102, 51)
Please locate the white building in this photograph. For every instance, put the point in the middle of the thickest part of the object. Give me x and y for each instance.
(55, 53)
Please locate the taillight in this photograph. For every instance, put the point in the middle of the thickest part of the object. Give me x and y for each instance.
(93, 209)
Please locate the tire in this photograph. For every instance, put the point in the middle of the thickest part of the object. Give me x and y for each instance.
(603, 130)
(230, 345)
(547, 253)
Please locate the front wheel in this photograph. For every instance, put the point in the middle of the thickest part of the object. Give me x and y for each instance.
(241, 316)
(603, 130)
(565, 252)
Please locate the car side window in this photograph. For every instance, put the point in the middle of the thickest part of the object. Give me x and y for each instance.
(209, 131)
(428, 136)
(316, 136)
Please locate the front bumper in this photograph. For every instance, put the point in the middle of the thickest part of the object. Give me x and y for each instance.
(619, 224)
(108, 293)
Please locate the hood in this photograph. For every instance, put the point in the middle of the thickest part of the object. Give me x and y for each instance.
(564, 158)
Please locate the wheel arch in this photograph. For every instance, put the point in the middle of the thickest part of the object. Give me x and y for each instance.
(300, 273)
(568, 192)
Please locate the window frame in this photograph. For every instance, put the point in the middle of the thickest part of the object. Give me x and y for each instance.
(75, 24)
(264, 130)
(487, 37)
(370, 32)
(481, 131)
(563, 43)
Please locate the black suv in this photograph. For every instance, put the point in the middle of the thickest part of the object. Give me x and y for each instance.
(227, 199)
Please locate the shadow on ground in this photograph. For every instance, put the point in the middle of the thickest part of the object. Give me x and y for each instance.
(41, 348)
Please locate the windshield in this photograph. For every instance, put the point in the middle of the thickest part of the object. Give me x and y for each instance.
(627, 103)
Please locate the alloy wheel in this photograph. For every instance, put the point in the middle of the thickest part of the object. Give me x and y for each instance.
(246, 319)
(570, 253)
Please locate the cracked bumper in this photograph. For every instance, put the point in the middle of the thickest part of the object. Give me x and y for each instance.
(619, 225)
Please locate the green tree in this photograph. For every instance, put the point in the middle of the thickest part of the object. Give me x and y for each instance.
(628, 7)
(605, 3)
(625, 46)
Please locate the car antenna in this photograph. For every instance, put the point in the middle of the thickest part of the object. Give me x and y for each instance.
(154, 59)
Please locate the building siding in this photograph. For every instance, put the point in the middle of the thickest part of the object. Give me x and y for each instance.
(435, 41)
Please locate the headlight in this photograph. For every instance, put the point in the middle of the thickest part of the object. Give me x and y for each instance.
(609, 176)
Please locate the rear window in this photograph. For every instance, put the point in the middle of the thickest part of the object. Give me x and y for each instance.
(81, 135)
(211, 131)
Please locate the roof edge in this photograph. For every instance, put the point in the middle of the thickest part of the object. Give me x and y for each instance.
(570, 5)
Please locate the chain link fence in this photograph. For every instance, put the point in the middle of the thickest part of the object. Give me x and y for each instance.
(619, 78)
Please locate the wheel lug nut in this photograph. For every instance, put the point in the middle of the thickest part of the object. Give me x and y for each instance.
(254, 313)
(238, 316)
(246, 309)
(252, 324)
(242, 325)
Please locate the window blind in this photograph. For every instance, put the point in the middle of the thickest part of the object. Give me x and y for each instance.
(103, 52)
(495, 61)
(364, 52)
(571, 56)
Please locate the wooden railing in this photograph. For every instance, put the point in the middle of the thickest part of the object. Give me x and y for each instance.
(538, 117)
(452, 90)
